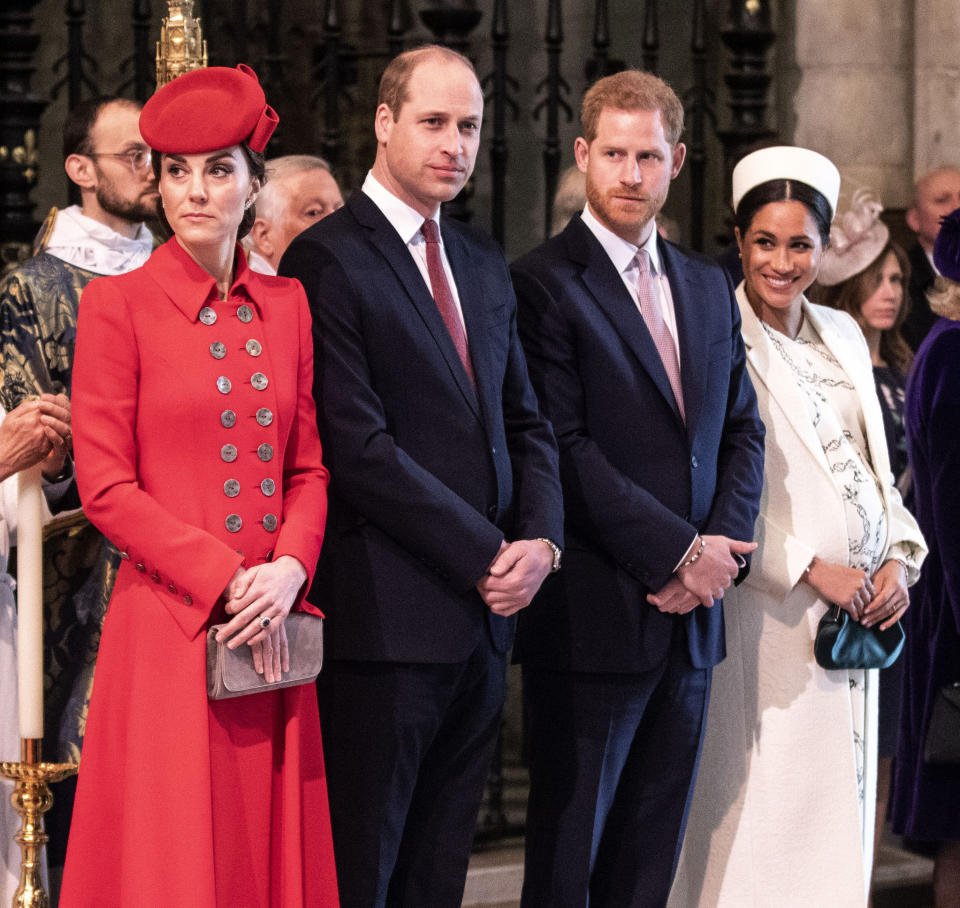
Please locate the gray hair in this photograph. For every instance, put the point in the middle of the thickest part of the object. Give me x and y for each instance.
(280, 168)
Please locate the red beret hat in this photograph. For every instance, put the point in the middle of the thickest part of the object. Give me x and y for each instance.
(208, 109)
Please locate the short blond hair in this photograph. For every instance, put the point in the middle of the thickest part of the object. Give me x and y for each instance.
(632, 89)
(396, 77)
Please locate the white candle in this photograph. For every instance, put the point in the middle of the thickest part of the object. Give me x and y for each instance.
(30, 602)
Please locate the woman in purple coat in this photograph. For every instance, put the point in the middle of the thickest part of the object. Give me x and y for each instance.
(926, 798)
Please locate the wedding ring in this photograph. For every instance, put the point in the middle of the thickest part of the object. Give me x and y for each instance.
(264, 621)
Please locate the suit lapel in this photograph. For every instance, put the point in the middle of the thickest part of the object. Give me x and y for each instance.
(606, 287)
(389, 244)
(470, 289)
(688, 303)
(770, 370)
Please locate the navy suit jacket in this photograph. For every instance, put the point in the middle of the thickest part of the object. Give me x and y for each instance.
(638, 484)
(427, 476)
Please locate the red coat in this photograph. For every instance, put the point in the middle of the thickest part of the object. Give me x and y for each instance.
(183, 801)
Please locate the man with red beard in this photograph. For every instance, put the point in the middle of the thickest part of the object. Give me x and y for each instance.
(106, 157)
(634, 350)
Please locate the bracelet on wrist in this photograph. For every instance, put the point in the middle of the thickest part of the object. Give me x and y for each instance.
(696, 555)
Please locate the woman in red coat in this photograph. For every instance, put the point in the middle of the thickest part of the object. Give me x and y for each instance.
(198, 456)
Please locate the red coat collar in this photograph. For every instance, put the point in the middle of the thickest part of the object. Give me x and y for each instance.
(189, 286)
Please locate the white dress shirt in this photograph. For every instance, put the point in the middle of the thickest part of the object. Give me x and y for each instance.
(407, 222)
(623, 256)
(256, 262)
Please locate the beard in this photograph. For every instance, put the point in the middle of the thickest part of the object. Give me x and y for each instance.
(613, 217)
(141, 208)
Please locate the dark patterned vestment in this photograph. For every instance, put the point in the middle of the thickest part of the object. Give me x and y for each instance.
(38, 325)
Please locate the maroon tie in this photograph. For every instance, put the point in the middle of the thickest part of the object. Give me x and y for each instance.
(443, 296)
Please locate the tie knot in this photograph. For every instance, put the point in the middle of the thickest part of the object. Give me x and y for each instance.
(430, 232)
(642, 260)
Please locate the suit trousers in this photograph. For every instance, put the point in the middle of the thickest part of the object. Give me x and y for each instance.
(408, 748)
(613, 758)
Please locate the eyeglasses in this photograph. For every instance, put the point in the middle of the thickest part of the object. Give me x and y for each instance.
(139, 158)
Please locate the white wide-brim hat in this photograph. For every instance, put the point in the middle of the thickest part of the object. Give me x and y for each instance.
(787, 162)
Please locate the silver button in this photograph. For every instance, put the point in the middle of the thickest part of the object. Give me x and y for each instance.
(172, 588)
(228, 419)
(218, 350)
(155, 577)
(223, 384)
(268, 487)
(245, 314)
(253, 347)
(265, 452)
(233, 523)
(228, 453)
(259, 381)
(269, 522)
(231, 488)
(125, 555)
(207, 315)
(187, 599)
(141, 567)
(264, 416)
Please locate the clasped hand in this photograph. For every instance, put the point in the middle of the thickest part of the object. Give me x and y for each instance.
(515, 575)
(869, 600)
(706, 580)
(37, 431)
(264, 591)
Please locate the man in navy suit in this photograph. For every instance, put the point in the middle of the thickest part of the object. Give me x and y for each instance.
(445, 510)
(634, 348)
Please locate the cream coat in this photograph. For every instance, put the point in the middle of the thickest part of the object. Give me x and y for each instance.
(776, 819)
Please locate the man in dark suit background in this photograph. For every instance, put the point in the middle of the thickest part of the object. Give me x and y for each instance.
(445, 509)
(935, 195)
(634, 348)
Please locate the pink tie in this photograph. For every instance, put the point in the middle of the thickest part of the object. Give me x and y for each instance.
(650, 310)
(443, 296)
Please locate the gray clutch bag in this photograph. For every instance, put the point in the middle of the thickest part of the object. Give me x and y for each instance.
(230, 672)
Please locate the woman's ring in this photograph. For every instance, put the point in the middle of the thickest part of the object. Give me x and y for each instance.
(264, 621)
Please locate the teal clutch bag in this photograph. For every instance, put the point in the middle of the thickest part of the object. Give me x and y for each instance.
(844, 643)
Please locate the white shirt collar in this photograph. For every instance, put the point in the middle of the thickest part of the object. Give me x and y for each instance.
(256, 262)
(85, 243)
(406, 221)
(620, 251)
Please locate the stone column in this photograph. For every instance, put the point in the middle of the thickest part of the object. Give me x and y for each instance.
(853, 90)
(936, 111)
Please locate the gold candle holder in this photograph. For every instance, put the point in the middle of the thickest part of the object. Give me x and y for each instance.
(32, 799)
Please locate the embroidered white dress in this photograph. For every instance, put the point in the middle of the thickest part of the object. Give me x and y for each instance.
(782, 813)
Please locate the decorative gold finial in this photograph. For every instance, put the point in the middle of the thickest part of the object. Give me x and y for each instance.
(181, 47)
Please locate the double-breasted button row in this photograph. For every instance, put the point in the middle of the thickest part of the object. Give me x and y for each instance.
(231, 488)
(208, 315)
(234, 522)
(228, 419)
(218, 349)
(258, 380)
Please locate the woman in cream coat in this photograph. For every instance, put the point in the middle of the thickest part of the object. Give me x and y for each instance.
(783, 810)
